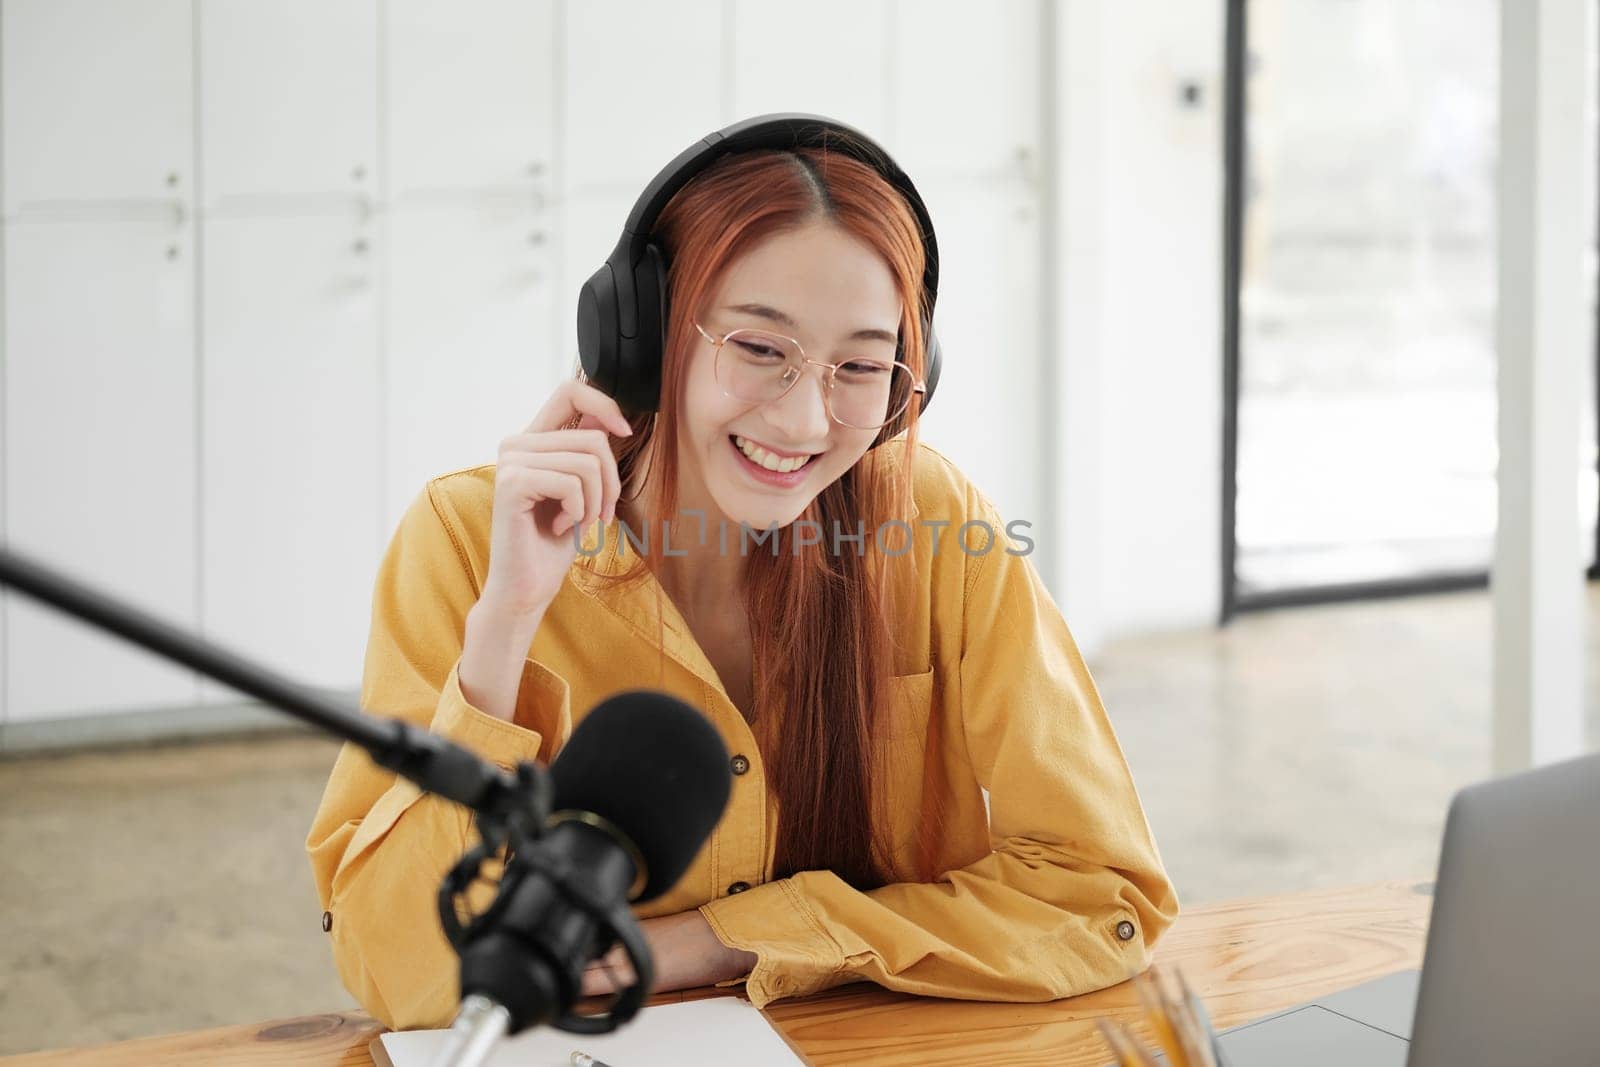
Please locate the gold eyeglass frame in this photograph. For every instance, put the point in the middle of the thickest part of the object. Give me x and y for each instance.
(918, 386)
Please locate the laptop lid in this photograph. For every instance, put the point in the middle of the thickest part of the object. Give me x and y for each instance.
(1511, 971)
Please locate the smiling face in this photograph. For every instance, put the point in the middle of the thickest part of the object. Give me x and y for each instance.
(826, 289)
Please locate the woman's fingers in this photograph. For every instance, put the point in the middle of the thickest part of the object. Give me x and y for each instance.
(532, 484)
(585, 465)
(588, 442)
(573, 397)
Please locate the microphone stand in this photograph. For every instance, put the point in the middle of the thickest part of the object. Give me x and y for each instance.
(432, 762)
(512, 810)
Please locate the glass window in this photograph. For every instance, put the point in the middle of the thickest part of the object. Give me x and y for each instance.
(1367, 295)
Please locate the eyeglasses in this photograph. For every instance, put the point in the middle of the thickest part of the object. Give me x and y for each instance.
(862, 394)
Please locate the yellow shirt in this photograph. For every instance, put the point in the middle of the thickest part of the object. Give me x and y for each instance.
(1052, 888)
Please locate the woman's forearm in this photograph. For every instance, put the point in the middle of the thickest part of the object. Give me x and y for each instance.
(492, 654)
(684, 951)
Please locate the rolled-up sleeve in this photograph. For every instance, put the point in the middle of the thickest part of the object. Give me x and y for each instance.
(379, 847)
(1071, 897)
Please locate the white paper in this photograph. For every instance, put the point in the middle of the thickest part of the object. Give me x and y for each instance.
(700, 1033)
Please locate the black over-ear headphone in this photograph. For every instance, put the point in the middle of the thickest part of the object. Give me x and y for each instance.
(622, 308)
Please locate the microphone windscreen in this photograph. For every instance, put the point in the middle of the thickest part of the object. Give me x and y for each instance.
(653, 767)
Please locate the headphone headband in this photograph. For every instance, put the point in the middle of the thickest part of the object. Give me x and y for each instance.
(779, 132)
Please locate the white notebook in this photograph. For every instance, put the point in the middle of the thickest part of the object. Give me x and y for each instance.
(700, 1033)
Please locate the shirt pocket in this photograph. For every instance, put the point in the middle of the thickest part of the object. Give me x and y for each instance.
(910, 707)
(901, 769)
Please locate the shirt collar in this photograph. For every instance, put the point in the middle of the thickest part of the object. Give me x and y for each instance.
(643, 604)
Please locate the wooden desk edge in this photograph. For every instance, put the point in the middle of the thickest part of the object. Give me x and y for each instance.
(1227, 950)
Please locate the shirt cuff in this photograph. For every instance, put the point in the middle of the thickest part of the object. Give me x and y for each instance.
(796, 954)
(542, 708)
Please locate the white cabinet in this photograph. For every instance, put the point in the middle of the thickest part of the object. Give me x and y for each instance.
(965, 86)
(290, 438)
(97, 148)
(826, 57)
(99, 453)
(637, 98)
(468, 357)
(291, 402)
(97, 101)
(470, 353)
(288, 100)
(633, 101)
(470, 90)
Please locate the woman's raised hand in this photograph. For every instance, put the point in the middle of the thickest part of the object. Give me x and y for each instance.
(548, 480)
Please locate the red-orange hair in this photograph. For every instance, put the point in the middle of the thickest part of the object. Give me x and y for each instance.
(821, 621)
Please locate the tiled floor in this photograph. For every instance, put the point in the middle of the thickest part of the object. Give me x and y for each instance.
(161, 889)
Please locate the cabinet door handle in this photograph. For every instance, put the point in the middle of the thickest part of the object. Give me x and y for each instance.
(111, 209)
(265, 205)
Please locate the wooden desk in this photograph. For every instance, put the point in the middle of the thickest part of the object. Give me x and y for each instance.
(1245, 958)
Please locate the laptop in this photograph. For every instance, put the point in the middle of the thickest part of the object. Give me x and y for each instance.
(1511, 970)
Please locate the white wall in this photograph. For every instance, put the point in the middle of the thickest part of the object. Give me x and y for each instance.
(1140, 241)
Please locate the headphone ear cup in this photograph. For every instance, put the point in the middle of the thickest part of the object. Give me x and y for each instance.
(598, 331)
(639, 375)
(932, 363)
(930, 378)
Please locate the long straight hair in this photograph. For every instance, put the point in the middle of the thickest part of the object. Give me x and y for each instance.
(820, 620)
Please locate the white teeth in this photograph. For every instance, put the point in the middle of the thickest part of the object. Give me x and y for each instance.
(766, 459)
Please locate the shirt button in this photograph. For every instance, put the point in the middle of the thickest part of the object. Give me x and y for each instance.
(1125, 930)
(740, 764)
(327, 921)
(738, 887)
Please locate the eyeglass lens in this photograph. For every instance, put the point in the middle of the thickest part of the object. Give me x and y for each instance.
(865, 393)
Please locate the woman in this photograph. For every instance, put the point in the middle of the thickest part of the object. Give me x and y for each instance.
(927, 792)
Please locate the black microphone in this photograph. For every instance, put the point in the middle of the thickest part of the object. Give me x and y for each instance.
(631, 799)
(638, 788)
